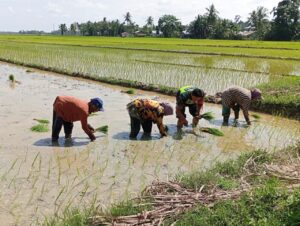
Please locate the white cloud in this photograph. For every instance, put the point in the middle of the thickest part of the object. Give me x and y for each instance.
(54, 8)
(11, 9)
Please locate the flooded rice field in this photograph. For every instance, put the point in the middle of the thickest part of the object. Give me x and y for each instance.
(38, 179)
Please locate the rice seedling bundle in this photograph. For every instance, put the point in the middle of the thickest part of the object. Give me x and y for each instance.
(42, 121)
(40, 128)
(102, 129)
(208, 116)
(11, 78)
(212, 131)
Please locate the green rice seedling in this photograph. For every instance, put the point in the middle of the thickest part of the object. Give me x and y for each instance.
(11, 78)
(42, 121)
(40, 128)
(130, 91)
(102, 129)
(29, 71)
(208, 116)
(256, 116)
(212, 131)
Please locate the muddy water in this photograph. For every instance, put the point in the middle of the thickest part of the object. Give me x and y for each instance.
(38, 179)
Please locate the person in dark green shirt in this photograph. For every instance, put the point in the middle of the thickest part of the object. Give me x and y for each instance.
(193, 98)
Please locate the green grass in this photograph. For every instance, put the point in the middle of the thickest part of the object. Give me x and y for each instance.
(72, 217)
(267, 205)
(221, 172)
(40, 128)
(127, 208)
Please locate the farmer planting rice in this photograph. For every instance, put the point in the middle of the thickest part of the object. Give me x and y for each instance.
(145, 112)
(237, 98)
(193, 98)
(68, 109)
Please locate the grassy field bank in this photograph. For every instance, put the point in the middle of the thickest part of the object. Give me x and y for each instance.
(164, 65)
(257, 188)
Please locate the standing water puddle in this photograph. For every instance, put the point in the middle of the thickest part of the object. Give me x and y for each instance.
(37, 179)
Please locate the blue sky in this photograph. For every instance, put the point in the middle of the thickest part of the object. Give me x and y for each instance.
(45, 15)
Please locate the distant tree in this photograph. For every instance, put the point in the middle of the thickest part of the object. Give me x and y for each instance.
(149, 21)
(212, 15)
(198, 28)
(127, 18)
(170, 26)
(259, 22)
(212, 19)
(74, 28)
(63, 28)
(285, 25)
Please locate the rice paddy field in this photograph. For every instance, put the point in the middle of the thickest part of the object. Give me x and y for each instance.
(39, 180)
(211, 65)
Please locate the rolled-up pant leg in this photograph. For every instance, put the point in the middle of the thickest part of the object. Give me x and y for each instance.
(57, 123)
(225, 113)
(135, 126)
(147, 126)
(236, 109)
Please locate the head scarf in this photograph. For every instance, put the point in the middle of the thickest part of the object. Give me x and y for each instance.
(168, 109)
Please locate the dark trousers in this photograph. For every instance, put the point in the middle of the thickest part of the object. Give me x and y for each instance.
(135, 125)
(57, 123)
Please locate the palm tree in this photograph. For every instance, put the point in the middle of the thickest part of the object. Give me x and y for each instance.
(212, 15)
(149, 21)
(258, 21)
(127, 18)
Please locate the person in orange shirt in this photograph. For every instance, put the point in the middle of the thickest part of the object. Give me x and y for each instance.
(68, 109)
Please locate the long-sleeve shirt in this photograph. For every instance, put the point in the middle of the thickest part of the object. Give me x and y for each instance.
(72, 109)
(184, 98)
(146, 109)
(237, 95)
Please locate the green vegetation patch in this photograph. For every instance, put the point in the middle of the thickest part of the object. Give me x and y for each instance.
(281, 97)
(128, 208)
(268, 205)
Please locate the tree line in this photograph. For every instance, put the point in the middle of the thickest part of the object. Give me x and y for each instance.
(284, 25)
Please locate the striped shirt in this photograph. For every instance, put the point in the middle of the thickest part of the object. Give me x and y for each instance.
(146, 109)
(237, 95)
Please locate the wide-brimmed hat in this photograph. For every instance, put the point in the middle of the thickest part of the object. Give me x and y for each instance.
(168, 109)
(98, 103)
